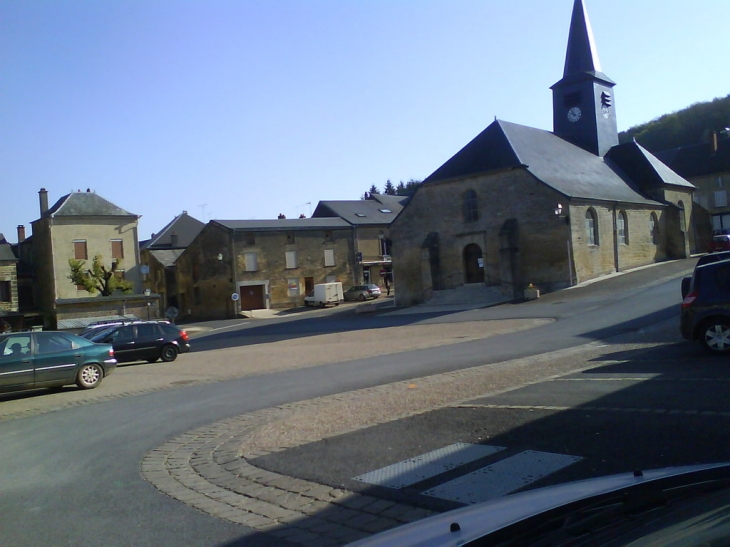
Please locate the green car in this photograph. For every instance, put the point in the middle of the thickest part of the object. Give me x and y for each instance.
(50, 359)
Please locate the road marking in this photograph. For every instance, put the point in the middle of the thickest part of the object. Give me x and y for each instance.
(503, 477)
(425, 466)
(229, 326)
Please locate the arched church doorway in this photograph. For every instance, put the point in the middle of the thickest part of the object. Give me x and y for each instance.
(473, 264)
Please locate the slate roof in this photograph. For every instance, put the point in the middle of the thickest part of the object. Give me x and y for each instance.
(6, 250)
(561, 165)
(166, 257)
(284, 224)
(85, 204)
(698, 160)
(185, 227)
(361, 212)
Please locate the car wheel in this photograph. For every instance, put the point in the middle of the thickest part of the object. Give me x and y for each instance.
(361, 298)
(168, 353)
(716, 336)
(89, 376)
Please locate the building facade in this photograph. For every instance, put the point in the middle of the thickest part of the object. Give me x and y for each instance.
(80, 226)
(520, 206)
(267, 264)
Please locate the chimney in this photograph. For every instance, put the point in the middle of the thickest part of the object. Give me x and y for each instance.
(21, 233)
(173, 239)
(43, 196)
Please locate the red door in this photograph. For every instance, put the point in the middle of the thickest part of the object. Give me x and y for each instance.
(252, 297)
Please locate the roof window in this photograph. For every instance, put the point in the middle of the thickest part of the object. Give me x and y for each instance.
(385, 210)
(360, 215)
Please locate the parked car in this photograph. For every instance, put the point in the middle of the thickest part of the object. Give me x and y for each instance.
(705, 311)
(51, 359)
(719, 243)
(362, 292)
(93, 328)
(685, 506)
(706, 259)
(145, 341)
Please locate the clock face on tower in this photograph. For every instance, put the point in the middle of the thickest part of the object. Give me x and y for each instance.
(574, 114)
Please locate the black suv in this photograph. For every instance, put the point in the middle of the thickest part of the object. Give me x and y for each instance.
(706, 308)
(706, 259)
(143, 341)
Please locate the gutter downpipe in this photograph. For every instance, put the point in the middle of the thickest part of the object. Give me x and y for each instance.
(615, 239)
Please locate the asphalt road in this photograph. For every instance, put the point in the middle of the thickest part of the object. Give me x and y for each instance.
(71, 460)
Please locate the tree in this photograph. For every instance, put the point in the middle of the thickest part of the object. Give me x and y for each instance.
(98, 278)
(389, 189)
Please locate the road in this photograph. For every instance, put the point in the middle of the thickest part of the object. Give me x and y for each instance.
(72, 459)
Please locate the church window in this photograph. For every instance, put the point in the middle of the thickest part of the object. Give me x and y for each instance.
(654, 228)
(622, 230)
(592, 227)
(471, 207)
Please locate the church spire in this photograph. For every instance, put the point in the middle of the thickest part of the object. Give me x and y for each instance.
(583, 105)
(581, 55)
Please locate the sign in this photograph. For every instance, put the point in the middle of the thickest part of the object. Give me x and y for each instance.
(171, 312)
(235, 296)
(145, 269)
(383, 273)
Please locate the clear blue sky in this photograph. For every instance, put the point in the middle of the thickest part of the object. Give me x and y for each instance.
(244, 109)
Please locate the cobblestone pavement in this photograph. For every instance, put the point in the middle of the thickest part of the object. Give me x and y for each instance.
(209, 468)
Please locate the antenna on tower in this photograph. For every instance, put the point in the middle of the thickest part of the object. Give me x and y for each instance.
(202, 210)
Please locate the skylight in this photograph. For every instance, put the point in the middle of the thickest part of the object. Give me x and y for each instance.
(385, 210)
(360, 215)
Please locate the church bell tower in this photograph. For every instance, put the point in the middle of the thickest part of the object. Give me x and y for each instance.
(583, 103)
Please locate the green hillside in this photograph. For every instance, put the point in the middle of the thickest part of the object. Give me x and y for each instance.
(691, 125)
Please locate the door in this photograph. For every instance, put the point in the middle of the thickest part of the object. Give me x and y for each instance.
(473, 264)
(125, 345)
(16, 360)
(56, 358)
(252, 297)
(149, 341)
(308, 285)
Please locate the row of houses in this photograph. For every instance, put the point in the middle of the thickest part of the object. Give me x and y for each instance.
(516, 206)
(188, 270)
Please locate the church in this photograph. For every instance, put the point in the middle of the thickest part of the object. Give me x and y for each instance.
(519, 206)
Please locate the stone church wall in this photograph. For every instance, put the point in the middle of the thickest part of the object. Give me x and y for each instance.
(516, 229)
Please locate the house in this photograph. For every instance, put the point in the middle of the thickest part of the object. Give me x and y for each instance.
(707, 166)
(264, 263)
(159, 255)
(370, 219)
(8, 286)
(519, 206)
(81, 225)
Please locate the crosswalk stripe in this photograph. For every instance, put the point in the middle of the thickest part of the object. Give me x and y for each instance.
(502, 477)
(425, 466)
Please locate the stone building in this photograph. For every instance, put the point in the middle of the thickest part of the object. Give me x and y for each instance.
(267, 263)
(370, 219)
(519, 206)
(707, 166)
(79, 226)
(8, 285)
(160, 253)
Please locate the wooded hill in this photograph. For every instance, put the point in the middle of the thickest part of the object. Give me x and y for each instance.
(686, 127)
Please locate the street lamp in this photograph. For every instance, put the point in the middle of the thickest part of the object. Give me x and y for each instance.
(147, 296)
